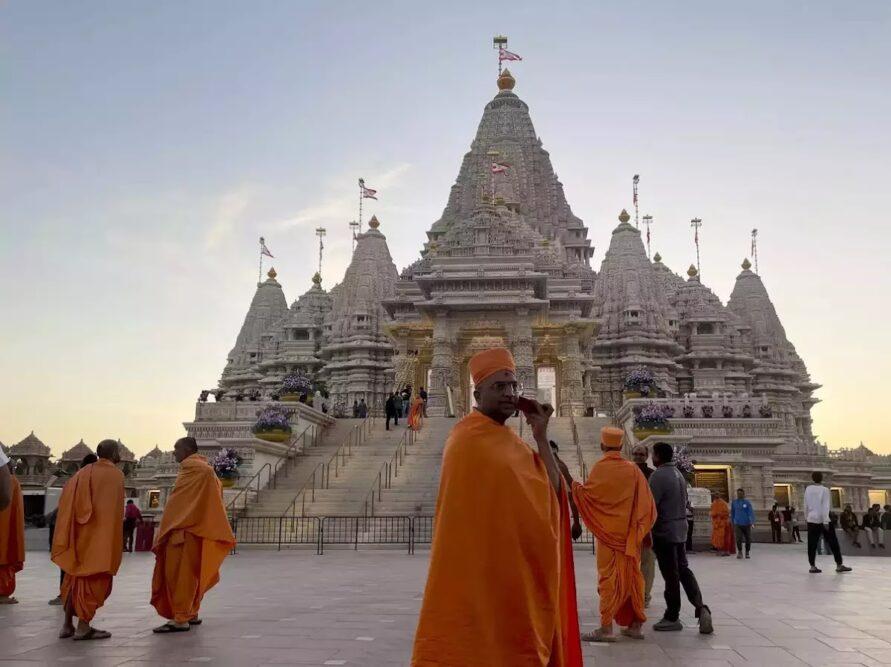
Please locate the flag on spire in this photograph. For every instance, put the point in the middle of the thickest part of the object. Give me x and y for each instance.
(635, 181)
(367, 193)
(499, 168)
(504, 54)
(264, 250)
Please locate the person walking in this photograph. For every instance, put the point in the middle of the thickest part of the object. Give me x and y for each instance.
(390, 411)
(363, 409)
(669, 536)
(423, 394)
(796, 533)
(647, 558)
(132, 516)
(775, 520)
(819, 524)
(742, 515)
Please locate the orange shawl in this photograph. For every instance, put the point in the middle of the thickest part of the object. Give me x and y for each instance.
(493, 594)
(12, 530)
(722, 531)
(89, 536)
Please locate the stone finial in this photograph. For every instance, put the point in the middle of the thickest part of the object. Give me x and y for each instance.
(271, 273)
(746, 265)
(374, 223)
(623, 216)
(692, 272)
(317, 279)
(657, 258)
(506, 81)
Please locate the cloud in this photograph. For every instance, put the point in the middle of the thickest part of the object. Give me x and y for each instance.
(341, 207)
(230, 209)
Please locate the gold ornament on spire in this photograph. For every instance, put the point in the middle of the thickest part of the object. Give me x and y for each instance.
(506, 80)
(374, 223)
(657, 258)
(692, 272)
(271, 273)
(624, 217)
(746, 264)
(317, 279)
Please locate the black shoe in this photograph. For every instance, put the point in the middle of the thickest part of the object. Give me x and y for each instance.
(815, 570)
(705, 621)
(842, 568)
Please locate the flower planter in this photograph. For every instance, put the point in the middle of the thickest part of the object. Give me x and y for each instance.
(628, 395)
(290, 398)
(275, 435)
(641, 433)
(228, 482)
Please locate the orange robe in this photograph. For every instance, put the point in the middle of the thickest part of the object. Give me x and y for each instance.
(193, 539)
(617, 505)
(89, 538)
(12, 540)
(722, 531)
(498, 582)
(414, 414)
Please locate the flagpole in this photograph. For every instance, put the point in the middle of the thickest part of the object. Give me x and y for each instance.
(696, 223)
(499, 42)
(634, 190)
(360, 205)
(648, 220)
(260, 273)
(755, 249)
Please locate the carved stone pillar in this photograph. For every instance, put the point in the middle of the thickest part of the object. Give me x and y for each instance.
(572, 387)
(521, 347)
(441, 368)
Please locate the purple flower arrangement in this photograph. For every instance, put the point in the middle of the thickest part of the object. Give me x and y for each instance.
(688, 412)
(765, 411)
(727, 411)
(685, 464)
(653, 416)
(708, 411)
(225, 463)
(296, 384)
(640, 379)
(272, 418)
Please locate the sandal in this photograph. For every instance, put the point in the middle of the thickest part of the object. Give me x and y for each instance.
(195, 621)
(167, 628)
(628, 632)
(66, 634)
(91, 634)
(598, 636)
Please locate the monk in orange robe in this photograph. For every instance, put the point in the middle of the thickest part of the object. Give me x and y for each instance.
(415, 414)
(616, 504)
(722, 530)
(89, 540)
(193, 540)
(12, 540)
(500, 584)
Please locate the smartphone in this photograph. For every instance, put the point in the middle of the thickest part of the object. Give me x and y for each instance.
(525, 405)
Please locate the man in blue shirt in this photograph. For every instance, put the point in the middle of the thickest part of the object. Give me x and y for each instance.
(742, 516)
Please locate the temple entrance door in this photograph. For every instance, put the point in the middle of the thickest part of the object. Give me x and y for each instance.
(546, 377)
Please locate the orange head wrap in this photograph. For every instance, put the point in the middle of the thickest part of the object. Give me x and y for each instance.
(483, 364)
(611, 437)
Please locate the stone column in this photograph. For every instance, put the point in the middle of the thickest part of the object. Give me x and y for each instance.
(441, 367)
(521, 347)
(572, 387)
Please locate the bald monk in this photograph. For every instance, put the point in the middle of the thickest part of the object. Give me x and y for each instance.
(722, 530)
(12, 540)
(88, 541)
(499, 590)
(617, 506)
(192, 541)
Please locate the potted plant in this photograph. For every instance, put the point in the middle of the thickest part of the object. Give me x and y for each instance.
(688, 412)
(727, 411)
(273, 424)
(747, 411)
(225, 464)
(765, 411)
(639, 383)
(294, 386)
(708, 411)
(651, 419)
(685, 465)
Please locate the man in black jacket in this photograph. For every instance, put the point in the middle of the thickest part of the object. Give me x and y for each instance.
(390, 410)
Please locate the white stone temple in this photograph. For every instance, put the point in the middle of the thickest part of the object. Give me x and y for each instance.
(509, 264)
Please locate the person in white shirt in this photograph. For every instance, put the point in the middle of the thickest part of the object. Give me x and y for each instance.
(5, 481)
(816, 511)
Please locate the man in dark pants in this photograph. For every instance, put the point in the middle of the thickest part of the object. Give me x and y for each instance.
(690, 520)
(816, 512)
(390, 411)
(776, 531)
(742, 516)
(669, 536)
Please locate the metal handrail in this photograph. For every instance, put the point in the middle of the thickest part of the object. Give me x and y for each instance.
(230, 508)
(388, 471)
(322, 470)
(287, 457)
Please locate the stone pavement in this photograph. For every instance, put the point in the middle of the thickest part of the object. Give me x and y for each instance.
(360, 608)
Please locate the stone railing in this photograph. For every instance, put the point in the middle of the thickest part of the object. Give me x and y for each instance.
(726, 428)
(697, 407)
(246, 411)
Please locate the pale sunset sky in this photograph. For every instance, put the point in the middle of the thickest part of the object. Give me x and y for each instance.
(145, 146)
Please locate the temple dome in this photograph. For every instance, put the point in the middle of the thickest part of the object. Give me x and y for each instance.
(77, 453)
(125, 453)
(30, 446)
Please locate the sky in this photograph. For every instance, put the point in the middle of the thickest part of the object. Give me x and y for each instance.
(144, 148)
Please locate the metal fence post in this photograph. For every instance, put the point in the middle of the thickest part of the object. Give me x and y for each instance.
(320, 548)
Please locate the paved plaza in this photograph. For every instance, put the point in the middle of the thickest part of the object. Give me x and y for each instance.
(360, 608)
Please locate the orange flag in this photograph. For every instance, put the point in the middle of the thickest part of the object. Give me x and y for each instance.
(617, 505)
(193, 540)
(493, 594)
(12, 540)
(89, 538)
